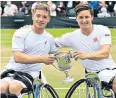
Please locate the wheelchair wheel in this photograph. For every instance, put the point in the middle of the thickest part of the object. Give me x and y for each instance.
(83, 88)
(108, 93)
(47, 91)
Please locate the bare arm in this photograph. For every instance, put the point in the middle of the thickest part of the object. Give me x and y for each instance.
(101, 54)
(20, 57)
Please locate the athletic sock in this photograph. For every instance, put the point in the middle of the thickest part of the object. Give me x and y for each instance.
(19, 96)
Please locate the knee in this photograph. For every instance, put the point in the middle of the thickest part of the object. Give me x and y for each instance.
(4, 86)
(15, 88)
(114, 85)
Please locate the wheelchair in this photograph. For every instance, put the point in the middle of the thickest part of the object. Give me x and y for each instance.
(91, 87)
(38, 90)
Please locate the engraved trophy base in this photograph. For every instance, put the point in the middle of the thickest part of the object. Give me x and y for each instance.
(68, 80)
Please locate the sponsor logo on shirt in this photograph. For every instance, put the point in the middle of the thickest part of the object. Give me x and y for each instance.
(17, 36)
(45, 42)
(95, 39)
(107, 34)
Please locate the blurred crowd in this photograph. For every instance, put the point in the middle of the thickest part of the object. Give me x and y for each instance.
(58, 8)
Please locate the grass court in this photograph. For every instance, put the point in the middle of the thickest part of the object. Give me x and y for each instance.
(52, 75)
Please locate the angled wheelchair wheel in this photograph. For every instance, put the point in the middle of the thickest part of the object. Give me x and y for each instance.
(84, 88)
(108, 93)
(46, 91)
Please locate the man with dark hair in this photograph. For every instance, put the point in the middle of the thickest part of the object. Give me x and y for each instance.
(91, 44)
(31, 46)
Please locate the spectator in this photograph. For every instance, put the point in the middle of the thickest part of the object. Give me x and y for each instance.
(84, 2)
(10, 9)
(21, 9)
(25, 8)
(115, 8)
(110, 6)
(95, 6)
(69, 5)
(3, 4)
(71, 12)
(34, 5)
(0, 11)
(52, 8)
(103, 10)
(61, 9)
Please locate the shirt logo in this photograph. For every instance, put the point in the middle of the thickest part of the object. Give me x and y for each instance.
(95, 39)
(107, 34)
(45, 42)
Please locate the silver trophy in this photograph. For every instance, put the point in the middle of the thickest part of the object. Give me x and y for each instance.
(64, 64)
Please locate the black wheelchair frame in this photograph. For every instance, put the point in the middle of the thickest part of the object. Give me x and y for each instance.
(32, 90)
(94, 88)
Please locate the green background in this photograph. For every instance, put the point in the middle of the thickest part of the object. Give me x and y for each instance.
(53, 76)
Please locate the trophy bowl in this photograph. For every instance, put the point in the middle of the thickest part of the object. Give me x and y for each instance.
(64, 64)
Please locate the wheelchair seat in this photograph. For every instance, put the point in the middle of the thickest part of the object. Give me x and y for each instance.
(24, 77)
(105, 85)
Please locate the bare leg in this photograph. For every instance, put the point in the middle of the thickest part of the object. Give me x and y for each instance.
(15, 88)
(4, 86)
(114, 85)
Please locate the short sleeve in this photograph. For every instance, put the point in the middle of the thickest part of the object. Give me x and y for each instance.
(18, 41)
(53, 48)
(63, 41)
(106, 37)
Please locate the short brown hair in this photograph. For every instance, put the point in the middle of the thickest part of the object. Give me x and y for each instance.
(81, 7)
(41, 6)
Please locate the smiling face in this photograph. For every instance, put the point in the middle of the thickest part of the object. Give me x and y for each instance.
(40, 18)
(84, 19)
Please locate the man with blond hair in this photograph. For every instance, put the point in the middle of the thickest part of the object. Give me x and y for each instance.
(31, 46)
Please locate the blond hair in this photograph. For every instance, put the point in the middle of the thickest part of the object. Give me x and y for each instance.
(41, 6)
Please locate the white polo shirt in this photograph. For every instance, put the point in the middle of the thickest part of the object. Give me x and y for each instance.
(30, 43)
(78, 41)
